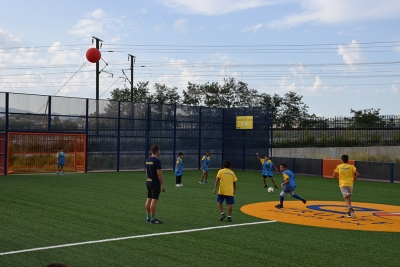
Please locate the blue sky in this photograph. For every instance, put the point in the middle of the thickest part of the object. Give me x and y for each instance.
(337, 54)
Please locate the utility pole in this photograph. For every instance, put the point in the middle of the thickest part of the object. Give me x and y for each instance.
(99, 43)
(133, 59)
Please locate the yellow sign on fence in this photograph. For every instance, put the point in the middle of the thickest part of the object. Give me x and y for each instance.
(244, 122)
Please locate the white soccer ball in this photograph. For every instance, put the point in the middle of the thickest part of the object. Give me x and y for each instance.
(270, 189)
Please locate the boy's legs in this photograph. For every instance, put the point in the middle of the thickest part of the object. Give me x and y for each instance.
(220, 207)
(202, 176)
(220, 200)
(298, 197)
(229, 210)
(206, 176)
(273, 181)
(265, 182)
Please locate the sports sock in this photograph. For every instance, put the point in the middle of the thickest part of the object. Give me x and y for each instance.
(296, 196)
(281, 200)
(148, 215)
(222, 213)
(153, 216)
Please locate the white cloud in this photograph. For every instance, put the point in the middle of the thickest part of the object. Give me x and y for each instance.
(299, 70)
(87, 27)
(96, 14)
(252, 28)
(7, 39)
(212, 7)
(99, 22)
(285, 86)
(351, 53)
(180, 26)
(339, 11)
(394, 89)
(317, 84)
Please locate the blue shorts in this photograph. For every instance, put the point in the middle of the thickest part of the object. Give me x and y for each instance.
(60, 164)
(228, 199)
(205, 169)
(266, 176)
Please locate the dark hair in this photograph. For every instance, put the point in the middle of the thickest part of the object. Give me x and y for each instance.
(345, 158)
(284, 165)
(60, 148)
(155, 149)
(180, 153)
(227, 164)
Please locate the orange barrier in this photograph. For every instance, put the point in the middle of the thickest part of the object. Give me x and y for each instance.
(36, 152)
(329, 165)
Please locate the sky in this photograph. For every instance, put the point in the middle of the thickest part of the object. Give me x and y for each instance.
(338, 54)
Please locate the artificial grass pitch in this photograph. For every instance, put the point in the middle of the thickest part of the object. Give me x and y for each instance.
(45, 210)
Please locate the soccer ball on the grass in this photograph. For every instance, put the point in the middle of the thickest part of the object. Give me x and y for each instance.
(270, 189)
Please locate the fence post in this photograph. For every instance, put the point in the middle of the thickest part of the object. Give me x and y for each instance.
(244, 146)
(199, 150)
(294, 165)
(87, 132)
(119, 134)
(147, 132)
(49, 116)
(6, 135)
(174, 150)
(391, 172)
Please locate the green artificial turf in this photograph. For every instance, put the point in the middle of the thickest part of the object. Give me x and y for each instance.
(44, 210)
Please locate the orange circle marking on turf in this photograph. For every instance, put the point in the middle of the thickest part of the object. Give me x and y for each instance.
(330, 214)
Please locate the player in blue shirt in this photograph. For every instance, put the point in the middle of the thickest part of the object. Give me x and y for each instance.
(154, 184)
(267, 169)
(205, 166)
(288, 185)
(179, 170)
(60, 160)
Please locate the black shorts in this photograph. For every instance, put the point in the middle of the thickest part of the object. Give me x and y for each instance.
(153, 191)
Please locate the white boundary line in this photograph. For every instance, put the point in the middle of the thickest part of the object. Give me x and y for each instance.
(130, 237)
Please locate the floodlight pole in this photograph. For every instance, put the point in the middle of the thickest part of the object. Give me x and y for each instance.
(132, 58)
(97, 81)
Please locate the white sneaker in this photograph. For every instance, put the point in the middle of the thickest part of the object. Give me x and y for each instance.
(177, 185)
(181, 185)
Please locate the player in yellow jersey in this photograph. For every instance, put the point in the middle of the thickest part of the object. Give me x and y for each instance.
(346, 174)
(227, 188)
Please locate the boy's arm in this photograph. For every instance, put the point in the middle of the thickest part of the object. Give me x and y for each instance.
(257, 156)
(276, 169)
(161, 178)
(177, 166)
(216, 185)
(234, 187)
(336, 175)
(356, 174)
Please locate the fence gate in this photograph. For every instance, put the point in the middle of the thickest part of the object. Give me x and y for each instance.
(36, 152)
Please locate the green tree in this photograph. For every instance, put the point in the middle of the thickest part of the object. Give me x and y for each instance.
(289, 111)
(193, 96)
(367, 118)
(165, 95)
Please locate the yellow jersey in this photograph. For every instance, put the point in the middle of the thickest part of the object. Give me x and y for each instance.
(346, 174)
(226, 179)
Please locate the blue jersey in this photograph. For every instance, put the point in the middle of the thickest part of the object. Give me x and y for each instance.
(152, 165)
(206, 163)
(288, 174)
(179, 167)
(60, 158)
(267, 167)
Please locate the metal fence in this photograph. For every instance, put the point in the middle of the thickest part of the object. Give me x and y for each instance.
(380, 171)
(120, 134)
(335, 137)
